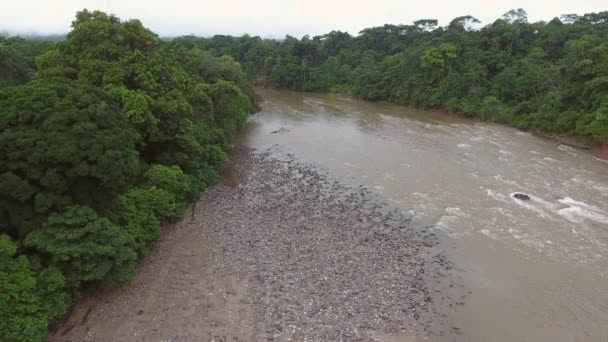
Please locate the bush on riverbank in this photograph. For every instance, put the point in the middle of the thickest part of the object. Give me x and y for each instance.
(551, 76)
(115, 134)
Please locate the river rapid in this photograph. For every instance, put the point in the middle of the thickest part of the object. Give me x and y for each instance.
(533, 270)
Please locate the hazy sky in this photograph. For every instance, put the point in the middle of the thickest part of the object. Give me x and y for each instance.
(273, 18)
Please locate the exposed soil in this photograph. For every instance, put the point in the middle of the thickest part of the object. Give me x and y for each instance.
(601, 151)
(277, 252)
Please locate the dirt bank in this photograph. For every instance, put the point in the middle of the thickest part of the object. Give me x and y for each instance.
(277, 252)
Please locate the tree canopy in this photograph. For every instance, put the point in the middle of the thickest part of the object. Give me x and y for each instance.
(103, 137)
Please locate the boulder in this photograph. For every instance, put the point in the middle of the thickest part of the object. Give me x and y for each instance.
(521, 196)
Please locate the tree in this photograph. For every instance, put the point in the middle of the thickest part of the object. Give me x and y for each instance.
(465, 23)
(116, 133)
(569, 18)
(63, 143)
(514, 16)
(85, 247)
(28, 301)
(426, 24)
(437, 58)
(17, 59)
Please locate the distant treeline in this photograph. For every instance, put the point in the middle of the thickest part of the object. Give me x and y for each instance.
(550, 76)
(103, 137)
(18, 58)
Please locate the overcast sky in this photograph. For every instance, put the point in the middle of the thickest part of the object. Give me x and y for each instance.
(273, 18)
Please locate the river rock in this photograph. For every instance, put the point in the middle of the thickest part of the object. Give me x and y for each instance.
(521, 196)
(281, 130)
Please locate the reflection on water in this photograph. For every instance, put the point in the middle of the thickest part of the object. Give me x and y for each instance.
(537, 269)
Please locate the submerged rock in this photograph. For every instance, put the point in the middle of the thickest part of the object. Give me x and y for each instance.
(521, 196)
(281, 130)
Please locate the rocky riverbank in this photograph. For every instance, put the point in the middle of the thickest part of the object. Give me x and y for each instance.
(278, 251)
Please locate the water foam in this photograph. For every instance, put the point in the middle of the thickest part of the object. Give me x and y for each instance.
(578, 212)
(541, 207)
(489, 234)
(492, 194)
(456, 212)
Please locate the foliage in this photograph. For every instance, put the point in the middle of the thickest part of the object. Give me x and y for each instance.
(28, 301)
(168, 178)
(62, 143)
(103, 136)
(17, 58)
(142, 210)
(84, 246)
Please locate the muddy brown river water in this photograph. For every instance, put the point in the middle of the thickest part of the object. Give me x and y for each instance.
(535, 270)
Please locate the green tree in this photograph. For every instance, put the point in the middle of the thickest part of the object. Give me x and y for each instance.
(63, 143)
(85, 247)
(29, 302)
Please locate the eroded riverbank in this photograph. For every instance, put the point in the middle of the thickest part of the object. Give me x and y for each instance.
(279, 251)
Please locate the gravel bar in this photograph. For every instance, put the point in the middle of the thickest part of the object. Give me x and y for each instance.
(279, 251)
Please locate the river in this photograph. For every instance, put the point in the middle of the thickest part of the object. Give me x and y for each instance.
(534, 270)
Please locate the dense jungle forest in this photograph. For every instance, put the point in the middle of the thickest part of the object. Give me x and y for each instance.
(550, 76)
(104, 136)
